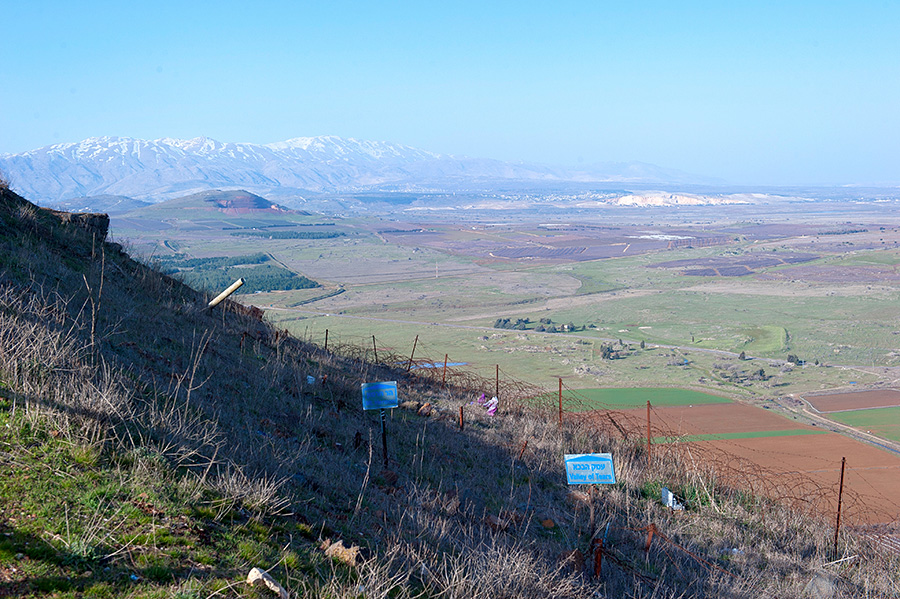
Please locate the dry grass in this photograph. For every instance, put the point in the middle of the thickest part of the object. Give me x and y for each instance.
(223, 397)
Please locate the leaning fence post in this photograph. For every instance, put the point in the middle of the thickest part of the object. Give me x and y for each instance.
(444, 378)
(326, 339)
(648, 437)
(408, 366)
(837, 527)
(375, 347)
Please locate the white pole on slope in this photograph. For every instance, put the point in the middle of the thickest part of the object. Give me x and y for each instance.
(218, 299)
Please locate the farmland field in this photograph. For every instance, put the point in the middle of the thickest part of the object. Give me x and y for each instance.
(859, 400)
(872, 475)
(624, 398)
(884, 422)
(449, 282)
(725, 432)
(722, 313)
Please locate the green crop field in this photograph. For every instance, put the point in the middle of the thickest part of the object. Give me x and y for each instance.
(884, 422)
(625, 398)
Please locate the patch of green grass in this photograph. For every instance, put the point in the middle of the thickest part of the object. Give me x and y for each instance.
(73, 523)
(593, 284)
(764, 339)
(871, 258)
(884, 422)
(623, 399)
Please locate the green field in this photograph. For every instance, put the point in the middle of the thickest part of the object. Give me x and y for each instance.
(623, 399)
(884, 422)
(542, 358)
(433, 285)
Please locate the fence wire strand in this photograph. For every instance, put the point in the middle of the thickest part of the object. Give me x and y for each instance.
(718, 462)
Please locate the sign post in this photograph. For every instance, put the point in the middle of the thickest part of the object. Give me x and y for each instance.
(591, 469)
(381, 396)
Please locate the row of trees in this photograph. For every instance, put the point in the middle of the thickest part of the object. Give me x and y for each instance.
(173, 264)
(544, 325)
(263, 277)
(218, 272)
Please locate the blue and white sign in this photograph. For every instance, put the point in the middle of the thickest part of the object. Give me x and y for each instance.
(379, 396)
(590, 469)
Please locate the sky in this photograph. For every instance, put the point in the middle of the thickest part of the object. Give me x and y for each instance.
(758, 93)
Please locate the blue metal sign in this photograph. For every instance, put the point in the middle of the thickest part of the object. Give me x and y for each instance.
(590, 469)
(377, 396)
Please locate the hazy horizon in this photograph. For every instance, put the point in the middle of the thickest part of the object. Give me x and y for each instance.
(776, 94)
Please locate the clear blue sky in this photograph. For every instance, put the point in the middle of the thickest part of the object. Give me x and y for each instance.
(764, 92)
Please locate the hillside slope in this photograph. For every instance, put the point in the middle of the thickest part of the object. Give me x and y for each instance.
(152, 447)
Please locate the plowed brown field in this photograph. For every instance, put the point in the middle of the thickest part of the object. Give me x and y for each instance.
(858, 400)
(788, 466)
(871, 480)
(721, 418)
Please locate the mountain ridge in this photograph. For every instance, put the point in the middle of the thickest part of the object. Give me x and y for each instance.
(155, 170)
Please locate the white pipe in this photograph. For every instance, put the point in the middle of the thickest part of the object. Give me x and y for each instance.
(840, 560)
(218, 299)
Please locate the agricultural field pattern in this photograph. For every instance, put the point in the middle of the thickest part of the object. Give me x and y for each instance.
(769, 309)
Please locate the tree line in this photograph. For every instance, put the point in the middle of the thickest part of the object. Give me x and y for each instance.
(218, 272)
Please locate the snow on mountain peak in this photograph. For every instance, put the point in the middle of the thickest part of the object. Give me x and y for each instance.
(157, 169)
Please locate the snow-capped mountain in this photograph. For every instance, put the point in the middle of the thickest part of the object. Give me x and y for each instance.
(165, 168)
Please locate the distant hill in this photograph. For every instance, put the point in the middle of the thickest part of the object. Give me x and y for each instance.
(226, 202)
(110, 204)
(168, 168)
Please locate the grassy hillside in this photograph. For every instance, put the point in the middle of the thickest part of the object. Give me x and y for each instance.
(150, 447)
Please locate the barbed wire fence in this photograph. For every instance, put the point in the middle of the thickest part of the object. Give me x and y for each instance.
(705, 466)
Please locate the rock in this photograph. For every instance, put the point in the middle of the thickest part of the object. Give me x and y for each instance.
(820, 587)
(411, 405)
(94, 224)
(337, 551)
(426, 410)
(548, 523)
(258, 578)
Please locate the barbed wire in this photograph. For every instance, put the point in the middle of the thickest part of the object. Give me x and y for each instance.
(714, 459)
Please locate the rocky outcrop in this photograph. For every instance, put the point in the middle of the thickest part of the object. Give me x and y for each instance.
(95, 224)
(17, 209)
